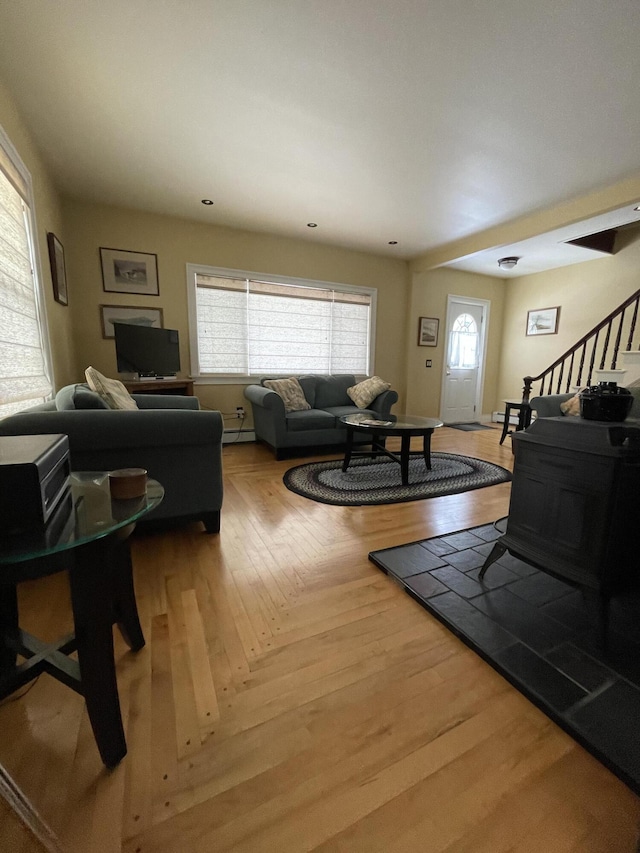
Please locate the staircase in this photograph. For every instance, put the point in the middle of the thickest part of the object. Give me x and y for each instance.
(605, 354)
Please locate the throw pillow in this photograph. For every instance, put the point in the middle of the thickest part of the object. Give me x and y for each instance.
(291, 392)
(78, 396)
(571, 406)
(112, 391)
(365, 392)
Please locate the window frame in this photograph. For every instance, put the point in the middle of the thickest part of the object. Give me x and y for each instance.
(34, 252)
(224, 272)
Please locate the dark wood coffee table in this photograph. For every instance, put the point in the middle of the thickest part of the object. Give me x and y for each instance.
(405, 426)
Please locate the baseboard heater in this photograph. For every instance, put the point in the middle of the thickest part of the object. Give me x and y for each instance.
(235, 436)
(498, 418)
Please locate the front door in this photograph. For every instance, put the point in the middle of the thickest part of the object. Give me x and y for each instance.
(465, 347)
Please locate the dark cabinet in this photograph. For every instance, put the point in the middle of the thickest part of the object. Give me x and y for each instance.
(575, 502)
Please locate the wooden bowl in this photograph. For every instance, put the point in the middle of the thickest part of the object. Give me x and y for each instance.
(127, 483)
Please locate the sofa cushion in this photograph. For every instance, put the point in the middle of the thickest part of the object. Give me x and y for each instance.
(112, 391)
(365, 392)
(291, 392)
(310, 419)
(332, 390)
(340, 411)
(78, 396)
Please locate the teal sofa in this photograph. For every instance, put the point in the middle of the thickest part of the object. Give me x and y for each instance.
(317, 427)
(548, 405)
(179, 444)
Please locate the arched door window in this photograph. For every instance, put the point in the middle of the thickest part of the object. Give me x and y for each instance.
(464, 341)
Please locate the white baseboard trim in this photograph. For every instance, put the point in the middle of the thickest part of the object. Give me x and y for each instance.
(236, 436)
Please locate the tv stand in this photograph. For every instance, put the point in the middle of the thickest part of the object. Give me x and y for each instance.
(160, 386)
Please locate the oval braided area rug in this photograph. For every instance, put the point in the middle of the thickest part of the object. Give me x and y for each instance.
(378, 481)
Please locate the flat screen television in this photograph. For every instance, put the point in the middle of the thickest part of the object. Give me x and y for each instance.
(146, 350)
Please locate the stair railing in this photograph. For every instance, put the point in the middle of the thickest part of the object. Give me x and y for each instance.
(592, 348)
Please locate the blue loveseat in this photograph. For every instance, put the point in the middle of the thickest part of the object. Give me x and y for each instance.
(318, 426)
(179, 445)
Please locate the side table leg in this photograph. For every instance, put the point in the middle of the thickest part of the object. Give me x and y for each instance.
(9, 629)
(505, 428)
(125, 607)
(92, 601)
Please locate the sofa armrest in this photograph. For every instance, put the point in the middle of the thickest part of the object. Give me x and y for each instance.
(166, 401)
(548, 405)
(266, 398)
(383, 402)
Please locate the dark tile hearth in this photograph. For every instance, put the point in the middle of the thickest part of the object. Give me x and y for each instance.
(537, 632)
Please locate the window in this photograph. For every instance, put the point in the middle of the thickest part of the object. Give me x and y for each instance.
(464, 342)
(243, 325)
(24, 346)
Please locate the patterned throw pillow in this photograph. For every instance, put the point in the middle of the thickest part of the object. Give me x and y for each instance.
(571, 406)
(291, 392)
(365, 392)
(112, 391)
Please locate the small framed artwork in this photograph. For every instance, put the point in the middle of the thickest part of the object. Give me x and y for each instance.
(110, 314)
(543, 321)
(428, 332)
(129, 272)
(58, 269)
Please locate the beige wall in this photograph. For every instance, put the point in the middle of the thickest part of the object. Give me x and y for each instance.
(178, 242)
(429, 291)
(585, 292)
(48, 218)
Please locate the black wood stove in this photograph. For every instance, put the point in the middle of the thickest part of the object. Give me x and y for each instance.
(575, 505)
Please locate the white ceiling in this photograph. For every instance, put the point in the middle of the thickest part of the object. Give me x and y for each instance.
(421, 121)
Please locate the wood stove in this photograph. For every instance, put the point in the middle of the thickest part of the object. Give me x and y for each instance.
(575, 505)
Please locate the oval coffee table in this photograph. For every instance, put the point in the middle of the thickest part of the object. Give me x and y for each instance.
(405, 426)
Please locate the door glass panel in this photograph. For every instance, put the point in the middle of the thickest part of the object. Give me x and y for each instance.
(463, 342)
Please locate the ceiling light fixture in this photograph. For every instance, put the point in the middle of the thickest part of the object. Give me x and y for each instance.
(207, 201)
(312, 224)
(507, 263)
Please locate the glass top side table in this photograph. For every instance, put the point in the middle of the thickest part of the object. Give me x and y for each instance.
(88, 536)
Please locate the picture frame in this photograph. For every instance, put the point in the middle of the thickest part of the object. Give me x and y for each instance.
(543, 321)
(129, 272)
(134, 314)
(428, 331)
(58, 269)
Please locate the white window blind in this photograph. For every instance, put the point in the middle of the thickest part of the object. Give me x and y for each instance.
(24, 374)
(252, 327)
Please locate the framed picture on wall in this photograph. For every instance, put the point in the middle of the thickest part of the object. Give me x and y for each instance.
(110, 314)
(543, 321)
(428, 331)
(129, 272)
(58, 269)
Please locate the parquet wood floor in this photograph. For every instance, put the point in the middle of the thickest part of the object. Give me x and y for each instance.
(292, 698)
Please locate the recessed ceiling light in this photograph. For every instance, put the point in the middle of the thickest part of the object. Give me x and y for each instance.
(312, 224)
(393, 242)
(207, 201)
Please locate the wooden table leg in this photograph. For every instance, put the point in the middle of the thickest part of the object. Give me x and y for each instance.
(92, 599)
(125, 607)
(404, 458)
(9, 629)
(426, 448)
(348, 448)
